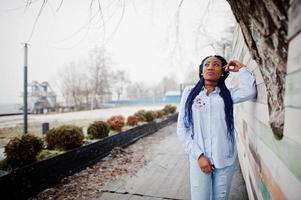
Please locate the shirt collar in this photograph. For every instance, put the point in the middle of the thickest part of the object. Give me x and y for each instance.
(216, 90)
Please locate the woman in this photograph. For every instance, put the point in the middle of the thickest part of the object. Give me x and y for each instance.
(206, 126)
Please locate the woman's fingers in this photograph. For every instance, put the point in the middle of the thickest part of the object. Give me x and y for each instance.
(205, 164)
(230, 66)
(226, 68)
(207, 169)
(233, 66)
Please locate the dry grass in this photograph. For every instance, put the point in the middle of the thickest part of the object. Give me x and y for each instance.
(36, 129)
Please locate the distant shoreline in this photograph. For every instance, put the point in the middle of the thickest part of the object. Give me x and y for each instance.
(9, 114)
(10, 109)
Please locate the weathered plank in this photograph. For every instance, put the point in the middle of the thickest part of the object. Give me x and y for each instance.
(251, 64)
(287, 182)
(255, 110)
(152, 183)
(285, 149)
(170, 180)
(113, 186)
(178, 176)
(292, 125)
(243, 53)
(247, 59)
(136, 197)
(261, 93)
(294, 58)
(257, 73)
(146, 181)
(293, 90)
(184, 190)
(114, 196)
(294, 19)
(249, 175)
(238, 46)
(130, 184)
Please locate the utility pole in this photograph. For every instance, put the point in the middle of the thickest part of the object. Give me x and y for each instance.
(25, 89)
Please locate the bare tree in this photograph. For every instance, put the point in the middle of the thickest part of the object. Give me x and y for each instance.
(139, 90)
(134, 91)
(100, 75)
(220, 45)
(167, 83)
(120, 79)
(191, 77)
(74, 86)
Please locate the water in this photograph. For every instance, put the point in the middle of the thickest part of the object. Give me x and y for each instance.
(10, 109)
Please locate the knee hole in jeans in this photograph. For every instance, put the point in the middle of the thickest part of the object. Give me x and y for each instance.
(222, 194)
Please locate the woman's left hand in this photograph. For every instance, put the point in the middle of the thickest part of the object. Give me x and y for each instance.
(234, 66)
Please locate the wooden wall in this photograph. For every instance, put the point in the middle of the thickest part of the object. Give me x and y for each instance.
(271, 167)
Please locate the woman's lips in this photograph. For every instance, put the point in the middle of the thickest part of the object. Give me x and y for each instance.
(210, 73)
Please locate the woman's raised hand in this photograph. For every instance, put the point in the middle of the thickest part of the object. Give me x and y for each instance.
(205, 164)
(233, 66)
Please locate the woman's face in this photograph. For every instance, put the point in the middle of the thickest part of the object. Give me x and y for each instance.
(212, 69)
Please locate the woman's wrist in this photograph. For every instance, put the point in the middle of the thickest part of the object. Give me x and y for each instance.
(241, 65)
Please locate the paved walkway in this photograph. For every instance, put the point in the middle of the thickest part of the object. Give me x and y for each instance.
(166, 176)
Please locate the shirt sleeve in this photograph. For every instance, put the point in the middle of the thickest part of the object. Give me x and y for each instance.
(247, 87)
(190, 146)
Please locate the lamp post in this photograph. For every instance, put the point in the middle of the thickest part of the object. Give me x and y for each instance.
(25, 89)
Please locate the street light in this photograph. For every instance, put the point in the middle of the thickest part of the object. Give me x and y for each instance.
(25, 89)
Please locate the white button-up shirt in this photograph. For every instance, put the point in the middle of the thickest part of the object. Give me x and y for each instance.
(210, 128)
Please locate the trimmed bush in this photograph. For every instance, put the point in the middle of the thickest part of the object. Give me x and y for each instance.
(150, 116)
(98, 129)
(22, 151)
(159, 113)
(70, 136)
(140, 114)
(169, 109)
(116, 122)
(65, 137)
(52, 138)
(4, 165)
(132, 120)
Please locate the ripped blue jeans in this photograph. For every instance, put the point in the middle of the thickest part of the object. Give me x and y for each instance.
(210, 186)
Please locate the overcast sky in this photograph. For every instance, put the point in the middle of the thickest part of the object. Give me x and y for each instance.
(142, 44)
